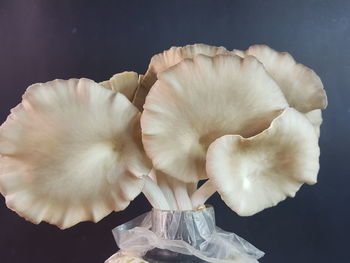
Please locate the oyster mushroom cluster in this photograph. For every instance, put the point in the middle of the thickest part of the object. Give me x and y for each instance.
(247, 122)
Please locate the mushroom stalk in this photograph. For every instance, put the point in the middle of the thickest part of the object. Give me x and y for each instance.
(154, 195)
(202, 194)
(181, 195)
(167, 191)
(191, 188)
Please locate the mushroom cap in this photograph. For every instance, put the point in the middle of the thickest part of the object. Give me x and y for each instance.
(125, 83)
(199, 100)
(167, 59)
(68, 153)
(255, 173)
(301, 86)
(239, 53)
(315, 117)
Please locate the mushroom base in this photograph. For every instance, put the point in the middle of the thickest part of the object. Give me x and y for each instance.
(163, 226)
(157, 255)
(163, 236)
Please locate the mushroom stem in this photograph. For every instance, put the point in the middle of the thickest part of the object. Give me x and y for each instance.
(154, 195)
(181, 195)
(202, 194)
(191, 188)
(167, 191)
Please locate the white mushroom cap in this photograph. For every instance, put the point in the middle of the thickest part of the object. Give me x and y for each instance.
(255, 173)
(239, 53)
(167, 59)
(68, 153)
(315, 117)
(125, 83)
(200, 100)
(301, 86)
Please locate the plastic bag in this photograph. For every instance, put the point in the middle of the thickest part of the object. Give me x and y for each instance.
(184, 232)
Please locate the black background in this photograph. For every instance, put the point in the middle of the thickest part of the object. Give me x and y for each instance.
(44, 40)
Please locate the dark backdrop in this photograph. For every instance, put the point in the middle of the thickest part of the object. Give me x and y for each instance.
(44, 40)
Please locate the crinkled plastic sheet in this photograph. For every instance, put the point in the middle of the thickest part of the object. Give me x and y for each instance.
(185, 232)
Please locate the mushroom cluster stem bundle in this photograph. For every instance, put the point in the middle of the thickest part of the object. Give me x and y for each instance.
(164, 184)
(155, 195)
(181, 195)
(202, 194)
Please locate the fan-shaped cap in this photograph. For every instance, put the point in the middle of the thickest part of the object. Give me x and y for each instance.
(239, 53)
(200, 100)
(125, 83)
(167, 59)
(255, 173)
(301, 86)
(315, 117)
(69, 153)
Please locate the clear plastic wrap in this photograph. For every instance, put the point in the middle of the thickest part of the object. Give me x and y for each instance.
(191, 233)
